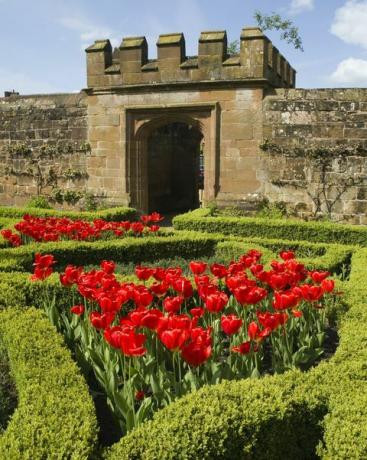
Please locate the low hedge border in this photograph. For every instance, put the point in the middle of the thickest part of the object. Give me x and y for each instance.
(129, 249)
(110, 214)
(186, 244)
(55, 417)
(345, 377)
(200, 220)
(265, 419)
(240, 419)
(332, 257)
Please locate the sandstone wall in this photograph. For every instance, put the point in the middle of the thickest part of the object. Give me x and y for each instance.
(43, 146)
(331, 118)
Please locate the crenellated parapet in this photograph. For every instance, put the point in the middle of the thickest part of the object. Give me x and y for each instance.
(258, 61)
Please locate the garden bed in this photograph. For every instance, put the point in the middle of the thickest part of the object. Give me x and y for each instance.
(294, 415)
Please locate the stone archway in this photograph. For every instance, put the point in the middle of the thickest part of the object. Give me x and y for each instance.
(142, 124)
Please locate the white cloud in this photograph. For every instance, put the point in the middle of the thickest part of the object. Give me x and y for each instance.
(299, 6)
(350, 23)
(351, 71)
(88, 31)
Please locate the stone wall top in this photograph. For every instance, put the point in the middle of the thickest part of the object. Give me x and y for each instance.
(129, 65)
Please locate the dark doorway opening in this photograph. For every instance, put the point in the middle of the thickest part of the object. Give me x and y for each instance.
(175, 168)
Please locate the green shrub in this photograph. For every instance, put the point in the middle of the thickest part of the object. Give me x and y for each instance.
(39, 202)
(264, 419)
(200, 220)
(55, 416)
(185, 244)
(111, 214)
(8, 392)
(345, 378)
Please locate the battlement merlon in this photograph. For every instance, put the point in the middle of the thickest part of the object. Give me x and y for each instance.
(258, 60)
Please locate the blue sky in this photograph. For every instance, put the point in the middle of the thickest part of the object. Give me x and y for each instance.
(42, 41)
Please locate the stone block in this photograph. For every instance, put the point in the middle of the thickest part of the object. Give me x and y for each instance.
(237, 131)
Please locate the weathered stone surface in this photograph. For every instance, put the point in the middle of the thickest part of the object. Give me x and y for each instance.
(334, 117)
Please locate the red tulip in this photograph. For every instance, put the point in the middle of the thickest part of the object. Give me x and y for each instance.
(101, 321)
(287, 255)
(132, 344)
(216, 302)
(173, 304)
(218, 270)
(142, 296)
(151, 318)
(199, 349)
(244, 348)
(231, 324)
(285, 300)
(328, 285)
(174, 339)
(143, 273)
(77, 309)
(113, 336)
(139, 395)
(159, 289)
(197, 312)
(108, 266)
(183, 286)
(197, 268)
(312, 293)
(318, 277)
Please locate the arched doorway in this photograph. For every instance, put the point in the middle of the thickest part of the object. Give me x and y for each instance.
(192, 128)
(174, 167)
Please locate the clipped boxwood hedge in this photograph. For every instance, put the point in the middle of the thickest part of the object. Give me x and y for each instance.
(326, 232)
(110, 214)
(55, 417)
(129, 249)
(265, 419)
(329, 257)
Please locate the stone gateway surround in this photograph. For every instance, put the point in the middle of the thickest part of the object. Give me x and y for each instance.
(171, 132)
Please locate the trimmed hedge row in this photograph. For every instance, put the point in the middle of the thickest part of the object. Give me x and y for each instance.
(200, 220)
(266, 419)
(344, 379)
(329, 257)
(55, 417)
(185, 244)
(111, 214)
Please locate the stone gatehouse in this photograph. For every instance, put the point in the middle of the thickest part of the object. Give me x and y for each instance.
(176, 131)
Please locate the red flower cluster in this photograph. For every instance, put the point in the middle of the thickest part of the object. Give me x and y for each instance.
(43, 229)
(42, 267)
(172, 307)
(172, 332)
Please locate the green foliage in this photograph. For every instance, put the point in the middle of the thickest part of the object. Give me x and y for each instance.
(8, 392)
(274, 21)
(90, 202)
(233, 47)
(250, 419)
(315, 151)
(39, 202)
(200, 220)
(55, 416)
(110, 214)
(129, 249)
(272, 210)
